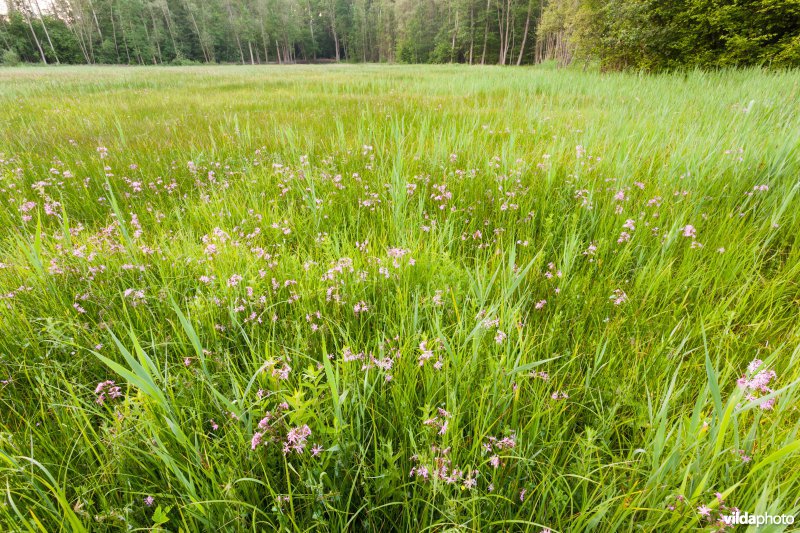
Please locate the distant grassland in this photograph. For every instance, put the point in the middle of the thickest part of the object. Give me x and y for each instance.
(397, 298)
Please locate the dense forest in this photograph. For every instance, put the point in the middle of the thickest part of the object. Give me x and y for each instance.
(617, 34)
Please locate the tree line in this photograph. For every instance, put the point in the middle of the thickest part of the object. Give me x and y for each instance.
(617, 34)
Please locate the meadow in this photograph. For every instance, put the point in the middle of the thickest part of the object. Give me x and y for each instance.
(397, 298)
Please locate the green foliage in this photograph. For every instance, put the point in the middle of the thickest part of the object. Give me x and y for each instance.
(9, 58)
(656, 35)
(182, 61)
(406, 52)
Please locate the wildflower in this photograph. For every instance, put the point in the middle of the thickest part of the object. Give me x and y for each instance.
(282, 373)
(437, 298)
(522, 495)
(426, 354)
(689, 231)
(540, 304)
(500, 337)
(107, 390)
(757, 383)
(619, 297)
(149, 501)
(316, 450)
(296, 438)
(754, 364)
(256, 440)
(744, 457)
(704, 510)
(421, 471)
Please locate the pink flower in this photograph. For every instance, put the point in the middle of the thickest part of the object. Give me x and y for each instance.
(296, 438)
(618, 297)
(689, 231)
(107, 390)
(149, 501)
(256, 440)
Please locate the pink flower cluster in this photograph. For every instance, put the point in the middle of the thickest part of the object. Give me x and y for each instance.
(493, 445)
(756, 382)
(441, 423)
(443, 470)
(107, 390)
(296, 439)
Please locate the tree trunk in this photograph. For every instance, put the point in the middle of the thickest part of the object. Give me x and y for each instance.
(453, 44)
(525, 34)
(206, 54)
(154, 39)
(471, 29)
(264, 38)
(114, 30)
(94, 14)
(485, 33)
(311, 29)
(168, 18)
(335, 36)
(35, 38)
(46, 33)
(235, 30)
(125, 43)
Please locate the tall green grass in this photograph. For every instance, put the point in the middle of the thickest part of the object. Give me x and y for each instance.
(452, 202)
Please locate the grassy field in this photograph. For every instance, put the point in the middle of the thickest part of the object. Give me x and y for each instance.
(397, 298)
